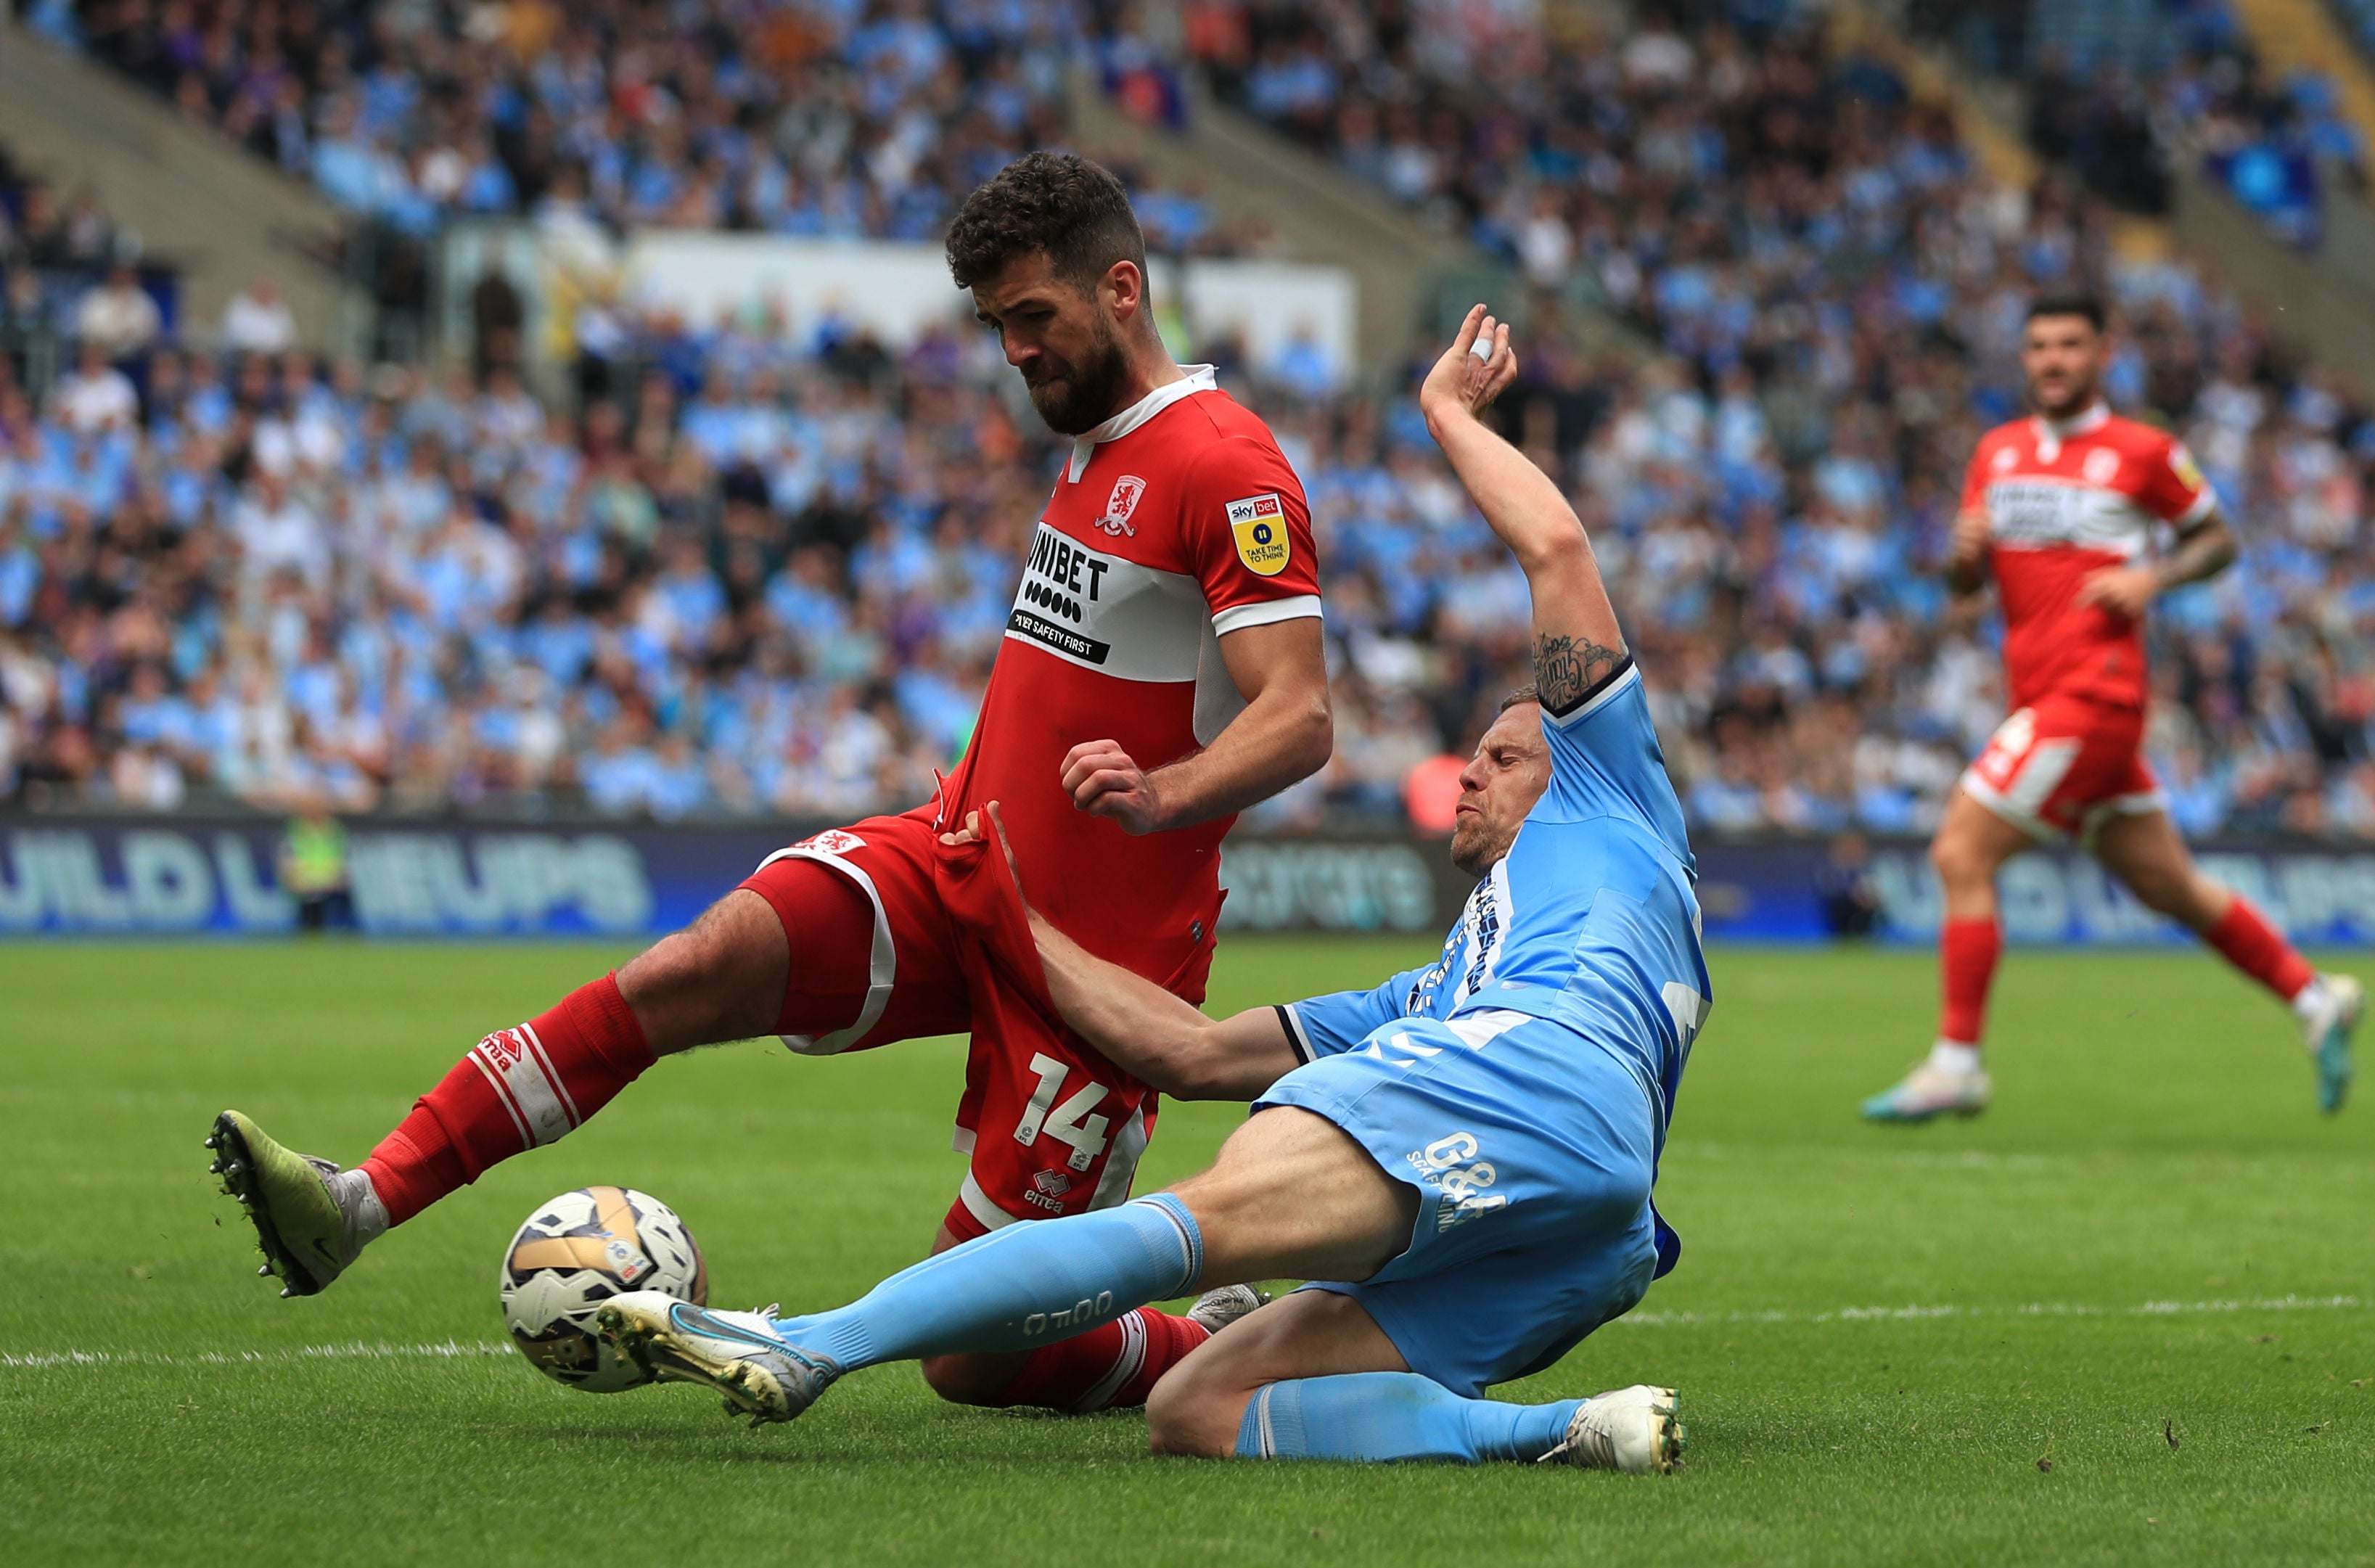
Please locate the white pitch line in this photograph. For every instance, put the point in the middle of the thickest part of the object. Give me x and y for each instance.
(2032, 1309)
(451, 1348)
(358, 1351)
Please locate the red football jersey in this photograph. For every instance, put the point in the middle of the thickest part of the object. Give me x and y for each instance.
(2064, 500)
(1175, 522)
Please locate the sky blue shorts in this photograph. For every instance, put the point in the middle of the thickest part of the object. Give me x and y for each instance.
(1532, 1148)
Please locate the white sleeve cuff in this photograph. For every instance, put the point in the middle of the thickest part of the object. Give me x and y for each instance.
(2204, 505)
(1267, 612)
(1298, 1039)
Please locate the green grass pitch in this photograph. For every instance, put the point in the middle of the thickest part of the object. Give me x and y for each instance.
(2125, 1317)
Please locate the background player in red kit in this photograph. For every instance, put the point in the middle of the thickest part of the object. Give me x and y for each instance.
(2060, 509)
(1162, 670)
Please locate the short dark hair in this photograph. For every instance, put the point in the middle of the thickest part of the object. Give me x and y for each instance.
(1058, 202)
(1529, 692)
(2069, 304)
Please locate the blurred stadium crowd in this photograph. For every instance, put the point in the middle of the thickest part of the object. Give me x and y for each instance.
(768, 573)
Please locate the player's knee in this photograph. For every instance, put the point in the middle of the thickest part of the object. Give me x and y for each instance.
(967, 1380)
(1186, 1414)
(720, 979)
(1956, 859)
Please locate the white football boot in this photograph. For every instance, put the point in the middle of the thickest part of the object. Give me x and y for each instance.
(1632, 1430)
(1930, 1091)
(738, 1353)
(2327, 1024)
(1217, 1309)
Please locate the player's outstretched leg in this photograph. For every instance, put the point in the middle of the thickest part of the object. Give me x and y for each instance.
(518, 1089)
(1016, 1289)
(1291, 1195)
(2146, 851)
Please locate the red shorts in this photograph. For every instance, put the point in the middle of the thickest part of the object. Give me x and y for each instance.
(1053, 1127)
(2058, 768)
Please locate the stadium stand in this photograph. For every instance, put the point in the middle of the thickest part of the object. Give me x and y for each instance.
(1840, 288)
(765, 575)
(2125, 92)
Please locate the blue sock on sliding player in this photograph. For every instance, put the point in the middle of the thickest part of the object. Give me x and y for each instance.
(1394, 1415)
(1015, 1289)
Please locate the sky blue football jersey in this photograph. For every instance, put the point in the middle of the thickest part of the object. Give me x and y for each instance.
(1590, 919)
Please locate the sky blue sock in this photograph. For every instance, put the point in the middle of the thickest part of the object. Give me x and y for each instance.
(1015, 1289)
(1394, 1415)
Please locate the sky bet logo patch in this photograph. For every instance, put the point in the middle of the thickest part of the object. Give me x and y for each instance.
(1259, 522)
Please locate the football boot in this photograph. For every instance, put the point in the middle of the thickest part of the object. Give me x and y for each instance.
(312, 1218)
(1929, 1091)
(738, 1353)
(1632, 1430)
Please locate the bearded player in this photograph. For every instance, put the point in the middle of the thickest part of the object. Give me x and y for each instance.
(1162, 669)
(1461, 1160)
(2060, 509)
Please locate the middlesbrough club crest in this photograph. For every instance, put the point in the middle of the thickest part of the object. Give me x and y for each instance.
(1120, 504)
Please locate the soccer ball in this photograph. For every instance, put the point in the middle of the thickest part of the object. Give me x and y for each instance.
(575, 1253)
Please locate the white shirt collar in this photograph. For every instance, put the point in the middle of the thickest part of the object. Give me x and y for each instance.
(1199, 378)
(2058, 431)
(2051, 433)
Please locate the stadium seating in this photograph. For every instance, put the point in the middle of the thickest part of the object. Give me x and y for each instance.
(756, 574)
(1839, 288)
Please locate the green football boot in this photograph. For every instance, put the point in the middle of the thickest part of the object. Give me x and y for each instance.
(312, 1218)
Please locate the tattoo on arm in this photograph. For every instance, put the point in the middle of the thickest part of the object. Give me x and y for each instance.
(2201, 552)
(1565, 668)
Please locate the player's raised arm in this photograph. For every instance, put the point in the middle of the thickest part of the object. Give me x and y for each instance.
(1577, 640)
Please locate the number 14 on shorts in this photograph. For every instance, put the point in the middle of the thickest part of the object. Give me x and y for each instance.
(1069, 1123)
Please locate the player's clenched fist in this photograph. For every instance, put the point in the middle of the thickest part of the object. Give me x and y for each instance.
(1103, 782)
(2125, 591)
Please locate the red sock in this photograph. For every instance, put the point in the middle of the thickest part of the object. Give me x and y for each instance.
(1109, 1368)
(2245, 940)
(518, 1089)
(1966, 965)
